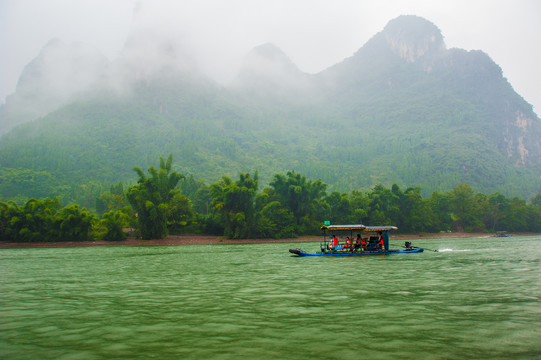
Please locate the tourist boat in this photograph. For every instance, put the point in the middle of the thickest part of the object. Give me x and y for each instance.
(375, 239)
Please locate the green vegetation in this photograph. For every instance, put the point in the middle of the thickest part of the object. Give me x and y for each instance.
(152, 199)
(233, 203)
(290, 206)
(372, 126)
(113, 221)
(372, 119)
(77, 152)
(44, 221)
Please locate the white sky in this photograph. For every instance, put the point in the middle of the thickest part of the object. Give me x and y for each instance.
(315, 34)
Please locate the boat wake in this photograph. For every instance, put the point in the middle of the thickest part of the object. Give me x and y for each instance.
(453, 250)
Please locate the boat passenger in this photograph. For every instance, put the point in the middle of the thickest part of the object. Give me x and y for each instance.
(347, 244)
(380, 243)
(358, 242)
(364, 243)
(333, 242)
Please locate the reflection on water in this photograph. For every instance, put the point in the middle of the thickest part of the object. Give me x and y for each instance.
(476, 298)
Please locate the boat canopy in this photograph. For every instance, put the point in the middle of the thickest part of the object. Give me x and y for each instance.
(379, 228)
(358, 227)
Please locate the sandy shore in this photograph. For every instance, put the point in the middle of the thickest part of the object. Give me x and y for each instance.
(190, 239)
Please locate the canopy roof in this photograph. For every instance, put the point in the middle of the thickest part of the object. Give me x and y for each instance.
(380, 228)
(359, 227)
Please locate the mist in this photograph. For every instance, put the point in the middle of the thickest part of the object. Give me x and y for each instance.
(217, 35)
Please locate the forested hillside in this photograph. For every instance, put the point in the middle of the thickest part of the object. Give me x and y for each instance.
(402, 110)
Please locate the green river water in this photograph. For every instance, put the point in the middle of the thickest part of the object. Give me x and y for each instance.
(478, 298)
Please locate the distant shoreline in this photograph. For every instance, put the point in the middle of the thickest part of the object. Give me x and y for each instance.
(191, 239)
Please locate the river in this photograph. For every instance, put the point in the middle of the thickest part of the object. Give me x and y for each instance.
(477, 298)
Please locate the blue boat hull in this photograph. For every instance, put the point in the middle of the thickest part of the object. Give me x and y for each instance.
(299, 252)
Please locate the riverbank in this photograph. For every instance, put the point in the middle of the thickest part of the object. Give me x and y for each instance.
(192, 239)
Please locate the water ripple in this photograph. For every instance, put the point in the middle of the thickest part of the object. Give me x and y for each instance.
(476, 298)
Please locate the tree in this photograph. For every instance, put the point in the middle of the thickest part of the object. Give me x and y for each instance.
(234, 201)
(150, 198)
(339, 208)
(274, 220)
(440, 207)
(4, 220)
(536, 201)
(43, 220)
(74, 224)
(360, 205)
(464, 209)
(383, 203)
(198, 193)
(114, 199)
(302, 197)
(201, 200)
(114, 221)
(179, 212)
(534, 216)
(416, 212)
(494, 208)
(35, 221)
(516, 216)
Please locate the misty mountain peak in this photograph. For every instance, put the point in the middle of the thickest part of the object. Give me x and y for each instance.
(270, 52)
(62, 68)
(402, 109)
(413, 37)
(268, 60)
(268, 71)
(148, 53)
(59, 73)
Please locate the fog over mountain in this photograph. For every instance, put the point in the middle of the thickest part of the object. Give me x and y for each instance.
(59, 74)
(315, 35)
(403, 108)
(268, 63)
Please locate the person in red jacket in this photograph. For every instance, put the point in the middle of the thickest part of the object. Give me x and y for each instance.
(358, 242)
(380, 243)
(347, 245)
(364, 243)
(333, 243)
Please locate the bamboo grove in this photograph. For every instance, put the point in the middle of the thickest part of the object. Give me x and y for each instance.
(165, 202)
